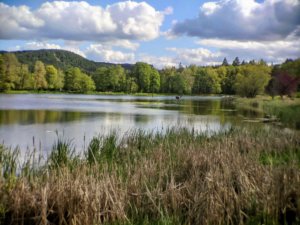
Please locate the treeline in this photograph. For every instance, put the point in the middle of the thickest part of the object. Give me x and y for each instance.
(246, 79)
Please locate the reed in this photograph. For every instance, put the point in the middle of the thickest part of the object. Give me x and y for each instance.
(245, 175)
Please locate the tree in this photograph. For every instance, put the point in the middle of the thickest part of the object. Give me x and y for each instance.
(87, 83)
(165, 75)
(77, 81)
(26, 78)
(292, 68)
(111, 78)
(284, 84)
(131, 85)
(178, 84)
(100, 78)
(1, 73)
(252, 80)
(54, 78)
(225, 62)
(207, 82)
(142, 72)
(72, 79)
(154, 81)
(9, 77)
(236, 61)
(40, 76)
(228, 83)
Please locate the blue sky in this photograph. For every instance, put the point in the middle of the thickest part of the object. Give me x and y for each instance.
(162, 33)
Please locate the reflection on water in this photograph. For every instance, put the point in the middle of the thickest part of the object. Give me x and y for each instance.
(80, 117)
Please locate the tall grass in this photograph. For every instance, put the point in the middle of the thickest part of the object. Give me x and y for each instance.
(242, 176)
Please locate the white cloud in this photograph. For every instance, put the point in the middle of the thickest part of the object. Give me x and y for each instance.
(100, 53)
(79, 21)
(185, 56)
(18, 22)
(243, 20)
(271, 51)
(40, 45)
(209, 8)
(34, 45)
(123, 44)
(198, 56)
(158, 62)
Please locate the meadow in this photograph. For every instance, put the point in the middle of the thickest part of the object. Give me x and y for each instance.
(246, 175)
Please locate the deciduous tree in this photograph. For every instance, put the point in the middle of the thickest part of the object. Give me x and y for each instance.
(40, 76)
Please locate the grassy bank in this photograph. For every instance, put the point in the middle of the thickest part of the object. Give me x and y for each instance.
(243, 176)
(286, 110)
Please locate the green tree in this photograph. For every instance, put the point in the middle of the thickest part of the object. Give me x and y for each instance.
(9, 77)
(77, 81)
(40, 76)
(53, 78)
(236, 61)
(154, 81)
(165, 75)
(252, 80)
(26, 78)
(228, 82)
(178, 84)
(207, 82)
(225, 62)
(87, 83)
(72, 79)
(142, 72)
(1, 73)
(100, 78)
(111, 78)
(131, 85)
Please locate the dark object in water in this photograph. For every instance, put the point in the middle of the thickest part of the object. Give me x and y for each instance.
(178, 97)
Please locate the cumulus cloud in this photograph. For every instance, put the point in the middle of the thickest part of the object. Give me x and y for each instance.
(101, 53)
(271, 51)
(243, 20)
(185, 56)
(198, 56)
(79, 21)
(35, 45)
(159, 62)
(18, 22)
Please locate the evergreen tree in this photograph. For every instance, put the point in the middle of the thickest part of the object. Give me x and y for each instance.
(225, 62)
(236, 61)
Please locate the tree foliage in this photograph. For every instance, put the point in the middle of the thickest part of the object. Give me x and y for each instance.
(207, 82)
(40, 81)
(10, 67)
(246, 79)
(77, 81)
(252, 80)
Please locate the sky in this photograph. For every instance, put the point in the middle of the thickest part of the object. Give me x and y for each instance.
(160, 32)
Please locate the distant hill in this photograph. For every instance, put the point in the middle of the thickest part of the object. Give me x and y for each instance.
(60, 59)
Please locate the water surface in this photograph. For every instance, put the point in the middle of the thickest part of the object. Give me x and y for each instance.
(30, 119)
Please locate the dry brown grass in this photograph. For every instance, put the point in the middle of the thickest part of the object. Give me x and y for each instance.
(179, 178)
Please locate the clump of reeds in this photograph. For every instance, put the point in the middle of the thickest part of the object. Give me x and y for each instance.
(242, 176)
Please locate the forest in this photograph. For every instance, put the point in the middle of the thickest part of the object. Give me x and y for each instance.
(246, 79)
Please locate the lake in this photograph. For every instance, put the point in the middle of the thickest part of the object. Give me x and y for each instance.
(29, 120)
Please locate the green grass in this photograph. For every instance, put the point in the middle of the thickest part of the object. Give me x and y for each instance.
(286, 111)
(241, 176)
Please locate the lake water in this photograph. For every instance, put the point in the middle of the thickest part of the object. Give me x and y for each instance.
(29, 120)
